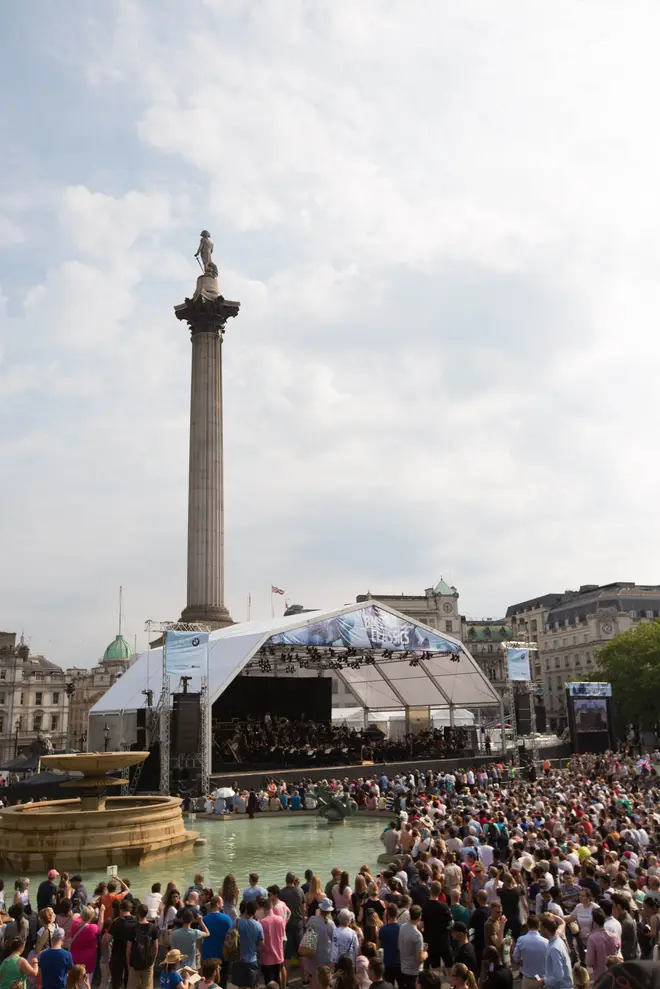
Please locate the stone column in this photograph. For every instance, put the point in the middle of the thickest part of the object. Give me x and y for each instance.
(206, 314)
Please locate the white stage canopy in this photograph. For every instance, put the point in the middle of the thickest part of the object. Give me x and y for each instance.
(387, 661)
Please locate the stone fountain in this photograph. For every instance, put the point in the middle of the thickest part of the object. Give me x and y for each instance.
(95, 830)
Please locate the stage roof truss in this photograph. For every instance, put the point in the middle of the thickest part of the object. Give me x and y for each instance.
(408, 664)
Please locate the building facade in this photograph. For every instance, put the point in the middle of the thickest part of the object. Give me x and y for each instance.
(569, 628)
(38, 697)
(487, 640)
(437, 607)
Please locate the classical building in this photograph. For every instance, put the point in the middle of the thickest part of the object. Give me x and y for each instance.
(90, 685)
(39, 697)
(569, 628)
(437, 607)
(487, 640)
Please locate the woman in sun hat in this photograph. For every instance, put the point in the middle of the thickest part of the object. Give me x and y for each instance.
(323, 927)
(170, 978)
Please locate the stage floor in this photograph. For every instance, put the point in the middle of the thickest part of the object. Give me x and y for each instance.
(247, 778)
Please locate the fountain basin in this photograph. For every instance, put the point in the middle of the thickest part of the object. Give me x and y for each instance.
(127, 831)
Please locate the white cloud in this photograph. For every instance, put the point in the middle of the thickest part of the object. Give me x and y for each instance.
(441, 224)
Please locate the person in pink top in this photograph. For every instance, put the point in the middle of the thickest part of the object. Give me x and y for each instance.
(601, 944)
(272, 950)
(341, 893)
(84, 940)
(278, 906)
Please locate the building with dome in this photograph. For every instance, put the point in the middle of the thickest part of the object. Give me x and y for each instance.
(90, 686)
(38, 697)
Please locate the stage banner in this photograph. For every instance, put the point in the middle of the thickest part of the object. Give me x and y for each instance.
(368, 628)
(518, 664)
(185, 653)
(589, 689)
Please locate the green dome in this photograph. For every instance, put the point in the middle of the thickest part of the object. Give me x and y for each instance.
(118, 649)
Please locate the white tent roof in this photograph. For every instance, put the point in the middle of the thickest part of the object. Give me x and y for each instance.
(445, 672)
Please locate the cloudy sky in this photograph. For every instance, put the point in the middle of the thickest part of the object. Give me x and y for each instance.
(442, 222)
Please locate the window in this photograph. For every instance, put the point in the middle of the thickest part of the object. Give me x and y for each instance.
(490, 647)
(577, 659)
(38, 698)
(20, 722)
(3, 674)
(563, 642)
(2, 698)
(21, 699)
(559, 682)
(448, 625)
(2, 724)
(574, 640)
(557, 662)
(633, 614)
(56, 697)
(555, 643)
(649, 614)
(55, 721)
(37, 722)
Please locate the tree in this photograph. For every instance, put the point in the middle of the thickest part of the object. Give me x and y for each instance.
(631, 663)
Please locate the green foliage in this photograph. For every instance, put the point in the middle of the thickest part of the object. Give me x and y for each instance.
(631, 663)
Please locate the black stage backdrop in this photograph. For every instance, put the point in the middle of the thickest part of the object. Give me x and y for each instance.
(281, 697)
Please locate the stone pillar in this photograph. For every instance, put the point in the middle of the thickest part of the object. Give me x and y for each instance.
(206, 314)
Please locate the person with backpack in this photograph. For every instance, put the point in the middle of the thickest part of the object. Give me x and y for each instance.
(141, 950)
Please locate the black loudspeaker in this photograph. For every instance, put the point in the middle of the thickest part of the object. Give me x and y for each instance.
(541, 724)
(141, 730)
(186, 723)
(523, 716)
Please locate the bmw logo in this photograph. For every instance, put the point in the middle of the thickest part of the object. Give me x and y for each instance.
(195, 641)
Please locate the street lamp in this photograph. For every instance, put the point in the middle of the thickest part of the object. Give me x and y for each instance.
(17, 726)
(106, 737)
(70, 690)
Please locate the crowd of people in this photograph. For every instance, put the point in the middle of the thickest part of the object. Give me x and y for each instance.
(484, 878)
(282, 742)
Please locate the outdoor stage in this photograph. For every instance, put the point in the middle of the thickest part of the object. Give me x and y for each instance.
(247, 779)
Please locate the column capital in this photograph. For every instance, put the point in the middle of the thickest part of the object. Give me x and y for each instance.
(206, 315)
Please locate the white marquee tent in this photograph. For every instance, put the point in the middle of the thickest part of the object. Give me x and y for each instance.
(410, 665)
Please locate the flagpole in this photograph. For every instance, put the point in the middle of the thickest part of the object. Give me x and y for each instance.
(249, 605)
(272, 602)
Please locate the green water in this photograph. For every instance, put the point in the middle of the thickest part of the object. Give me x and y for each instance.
(270, 845)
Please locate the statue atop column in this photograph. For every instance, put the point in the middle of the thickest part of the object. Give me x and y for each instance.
(204, 252)
(207, 309)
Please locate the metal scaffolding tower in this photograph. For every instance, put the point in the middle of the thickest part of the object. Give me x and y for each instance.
(164, 708)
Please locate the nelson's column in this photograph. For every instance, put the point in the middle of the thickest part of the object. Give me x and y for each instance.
(206, 314)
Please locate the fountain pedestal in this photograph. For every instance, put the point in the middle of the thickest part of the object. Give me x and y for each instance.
(95, 830)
